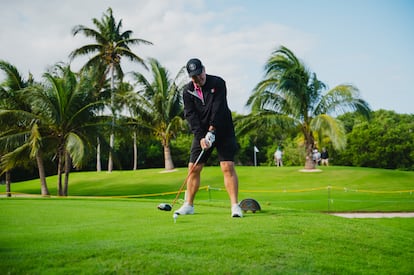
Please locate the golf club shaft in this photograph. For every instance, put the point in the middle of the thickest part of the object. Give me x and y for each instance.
(188, 175)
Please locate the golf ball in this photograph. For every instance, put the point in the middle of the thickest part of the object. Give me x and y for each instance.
(175, 216)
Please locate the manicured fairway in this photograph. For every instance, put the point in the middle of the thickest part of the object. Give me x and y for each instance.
(291, 235)
(336, 189)
(99, 236)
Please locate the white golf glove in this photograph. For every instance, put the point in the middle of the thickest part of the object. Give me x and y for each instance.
(210, 138)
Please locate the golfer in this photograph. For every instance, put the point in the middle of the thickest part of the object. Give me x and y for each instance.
(209, 117)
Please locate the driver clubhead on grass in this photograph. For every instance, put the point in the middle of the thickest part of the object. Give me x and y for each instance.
(169, 207)
(165, 207)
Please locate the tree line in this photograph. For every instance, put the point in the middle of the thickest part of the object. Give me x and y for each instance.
(79, 120)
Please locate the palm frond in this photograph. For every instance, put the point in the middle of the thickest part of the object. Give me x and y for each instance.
(266, 120)
(326, 125)
(86, 50)
(17, 157)
(13, 81)
(75, 145)
(343, 98)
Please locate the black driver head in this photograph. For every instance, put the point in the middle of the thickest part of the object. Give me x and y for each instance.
(164, 207)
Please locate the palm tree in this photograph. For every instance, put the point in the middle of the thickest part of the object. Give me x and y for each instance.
(17, 126)
(126, 99)
(291, 94)
(101, 86)
(159, 106)
(68, 106)
(62, 120)
(111, 44)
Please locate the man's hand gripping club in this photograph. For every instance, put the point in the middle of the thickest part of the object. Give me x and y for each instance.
(208, 140)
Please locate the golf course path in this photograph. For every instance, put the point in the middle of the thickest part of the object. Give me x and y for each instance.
(376, 215)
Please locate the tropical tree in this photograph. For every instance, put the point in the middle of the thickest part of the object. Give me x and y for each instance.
(386, 141)
(18, 138)
(68, 106)
(290, 95)
(158, 106)
(62, 119)
(111, 44)
(126, 99)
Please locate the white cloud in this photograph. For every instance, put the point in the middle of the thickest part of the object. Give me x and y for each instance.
(237, 55)
(37, 34)
(40, 36)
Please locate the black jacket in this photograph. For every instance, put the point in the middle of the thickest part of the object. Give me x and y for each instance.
(211, 110)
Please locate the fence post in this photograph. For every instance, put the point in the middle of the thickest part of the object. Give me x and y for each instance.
(329, 199)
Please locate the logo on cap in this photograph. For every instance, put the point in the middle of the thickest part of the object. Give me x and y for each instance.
(192, 66)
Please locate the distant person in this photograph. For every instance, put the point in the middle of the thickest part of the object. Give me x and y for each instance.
(278, 157)
(316, 156)
(324, 157)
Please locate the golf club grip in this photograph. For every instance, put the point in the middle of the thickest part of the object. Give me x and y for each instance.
(186, 178)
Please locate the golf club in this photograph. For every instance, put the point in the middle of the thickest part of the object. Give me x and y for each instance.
(168, 207)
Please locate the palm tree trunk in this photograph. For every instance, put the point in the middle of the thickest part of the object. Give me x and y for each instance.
(169, 165)
(309, 142)
(68, 164)
(111, 140)
(98, 155)
(8, 183)
(42, 175)
(59, 172)
(111, 145)
(309, 164)
(135, 151)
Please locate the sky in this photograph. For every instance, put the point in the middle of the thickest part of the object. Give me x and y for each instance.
(367, 43)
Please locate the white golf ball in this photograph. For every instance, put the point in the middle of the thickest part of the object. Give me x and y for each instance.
(175, 216)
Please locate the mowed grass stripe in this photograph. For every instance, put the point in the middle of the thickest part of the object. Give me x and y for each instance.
(129, 236)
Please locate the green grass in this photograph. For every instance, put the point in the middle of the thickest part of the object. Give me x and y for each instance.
(291, 235)
(334, 189)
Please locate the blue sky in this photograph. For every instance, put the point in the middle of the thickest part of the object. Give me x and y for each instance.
(368, 43)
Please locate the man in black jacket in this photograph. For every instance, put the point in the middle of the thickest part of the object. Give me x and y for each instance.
(210, 120)
(324, 157)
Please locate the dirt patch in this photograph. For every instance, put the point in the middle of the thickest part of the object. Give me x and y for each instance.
(310, 170)
(375, 215)
(168, 171)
